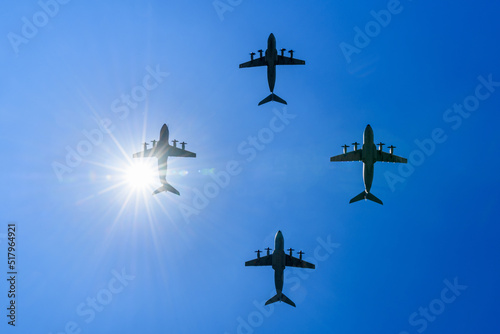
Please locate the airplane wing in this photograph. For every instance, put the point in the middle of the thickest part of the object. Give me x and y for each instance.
(387, 157)
(145, 154)
(349, 156)
(292, 261)
(284, 60)
(177, 152)
(261, 261)
(256, 62)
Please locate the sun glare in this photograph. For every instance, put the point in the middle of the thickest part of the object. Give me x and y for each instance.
(140, 175)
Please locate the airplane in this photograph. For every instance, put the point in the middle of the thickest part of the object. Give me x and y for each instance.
(369, 155)
(162, 150)
(271, 59)
(278, 259)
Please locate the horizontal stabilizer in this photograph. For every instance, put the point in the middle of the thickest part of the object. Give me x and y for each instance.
(272, 97)
(364, 195)
(358, 197)
(287, 300)
(273, 300)
(372, 197)
(282, 299)
(166, 187)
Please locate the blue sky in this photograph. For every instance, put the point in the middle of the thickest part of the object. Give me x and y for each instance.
(425, 261)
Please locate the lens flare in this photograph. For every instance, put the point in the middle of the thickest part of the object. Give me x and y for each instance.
(140, 175)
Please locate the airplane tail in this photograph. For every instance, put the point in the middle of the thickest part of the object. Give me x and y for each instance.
(281, 298)
(364, 195)
(272, 97)
(166, 187)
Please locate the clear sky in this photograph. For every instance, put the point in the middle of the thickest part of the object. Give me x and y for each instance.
(84, 83)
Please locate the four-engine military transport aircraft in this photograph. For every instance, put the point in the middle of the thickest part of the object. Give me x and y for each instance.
(162, 150)
(278, 259)
(369, 155)
(271, 59)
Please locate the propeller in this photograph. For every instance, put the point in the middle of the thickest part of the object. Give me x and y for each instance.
(260, 52)
(345, 148)
(380, 146)
(291, 251)
(291, 53)
(258, 251)
(183, 145)
(391, 149)
(355, 145)
(175, 141)
(283, 52)
(251, 55)
(267, 249)
(300, 255)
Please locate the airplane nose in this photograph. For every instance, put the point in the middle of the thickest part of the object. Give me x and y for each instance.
(164, 132)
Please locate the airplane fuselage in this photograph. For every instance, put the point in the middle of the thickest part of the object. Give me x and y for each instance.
(162, 147)
(164, 133)
(279, 261)
(369, 157)
(271, 59)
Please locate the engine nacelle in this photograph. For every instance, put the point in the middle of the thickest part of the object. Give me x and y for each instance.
(183, 145)
(345, 148)
(251, 55)
(268, 249)
(380, 146)
(283, 52)
(300, 255)
(355, 145)
(291, 53)
(175, 141)
(260, 52)
(291, 251)
(258, 251)
(391, 149)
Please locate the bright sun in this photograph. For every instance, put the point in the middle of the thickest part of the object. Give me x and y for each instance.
(140, 175)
